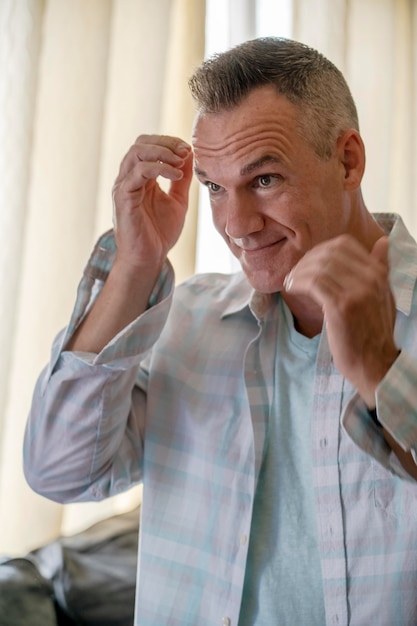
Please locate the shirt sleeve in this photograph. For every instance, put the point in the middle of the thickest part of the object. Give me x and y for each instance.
(396, 406)
(84, 434)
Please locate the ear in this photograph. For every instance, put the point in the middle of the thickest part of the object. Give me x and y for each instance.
(351, 152)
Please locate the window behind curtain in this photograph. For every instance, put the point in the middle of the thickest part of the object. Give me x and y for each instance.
(229, 22)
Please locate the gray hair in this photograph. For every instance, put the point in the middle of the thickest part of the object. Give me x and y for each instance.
(300, 73)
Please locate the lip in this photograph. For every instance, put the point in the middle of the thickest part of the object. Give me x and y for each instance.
(260, 249)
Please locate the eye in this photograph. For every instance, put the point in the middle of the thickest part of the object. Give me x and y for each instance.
(265, 180)
(213, 187)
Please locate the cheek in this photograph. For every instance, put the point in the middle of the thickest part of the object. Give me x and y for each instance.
(218, 217)
(307, 215)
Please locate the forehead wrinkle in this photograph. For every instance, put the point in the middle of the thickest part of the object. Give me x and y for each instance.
(224, 136)
(239, 140)
(231, 145)
(249, 167)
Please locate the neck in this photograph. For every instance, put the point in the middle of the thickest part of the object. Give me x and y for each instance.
(363, 226)
(308, 316)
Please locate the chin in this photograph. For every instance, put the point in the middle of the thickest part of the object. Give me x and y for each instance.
(265, 282)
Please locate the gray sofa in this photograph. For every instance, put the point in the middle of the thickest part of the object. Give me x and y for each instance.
(87, 579)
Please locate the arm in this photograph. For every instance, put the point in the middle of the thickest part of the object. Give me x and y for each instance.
(350, 286)
(147, 223)
(83, 438)
(84, 433)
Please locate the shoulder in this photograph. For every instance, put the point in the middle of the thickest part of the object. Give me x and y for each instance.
(220, 290)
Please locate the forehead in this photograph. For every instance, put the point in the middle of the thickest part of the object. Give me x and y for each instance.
(265, 121)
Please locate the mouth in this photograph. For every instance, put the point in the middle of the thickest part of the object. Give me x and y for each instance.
(259, 250)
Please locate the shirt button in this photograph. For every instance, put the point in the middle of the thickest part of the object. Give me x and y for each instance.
(226, 621)
(243, 539)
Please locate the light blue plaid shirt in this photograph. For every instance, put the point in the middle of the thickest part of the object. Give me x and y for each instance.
(181, 400)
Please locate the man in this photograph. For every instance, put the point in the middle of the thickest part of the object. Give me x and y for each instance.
(270, 414)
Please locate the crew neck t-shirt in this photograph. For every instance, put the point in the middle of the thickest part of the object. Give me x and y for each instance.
(283, 581)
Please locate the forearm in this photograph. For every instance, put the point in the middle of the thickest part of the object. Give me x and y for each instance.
(82, 442)
(83, 436)
(123, 298)
(147, 223)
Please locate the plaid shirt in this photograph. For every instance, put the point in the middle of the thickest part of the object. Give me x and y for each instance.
(181, 399)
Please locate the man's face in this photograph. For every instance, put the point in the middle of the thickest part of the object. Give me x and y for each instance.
(272, 197)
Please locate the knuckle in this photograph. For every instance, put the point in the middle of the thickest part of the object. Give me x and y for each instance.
(143, 138)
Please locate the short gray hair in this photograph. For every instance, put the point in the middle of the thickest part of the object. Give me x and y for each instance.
(300, 73)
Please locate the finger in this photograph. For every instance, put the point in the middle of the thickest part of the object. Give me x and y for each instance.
(380, 250)
(173, 143)
(150, 155)
(380, 253)
(340, 272)
(342, 257)
(152, 148)
(179, 188)
(139, 176)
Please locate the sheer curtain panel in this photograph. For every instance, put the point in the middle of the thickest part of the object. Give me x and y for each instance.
(79, 82)
(374, 44)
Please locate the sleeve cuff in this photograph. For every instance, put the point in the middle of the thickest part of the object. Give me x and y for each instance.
(396, 401)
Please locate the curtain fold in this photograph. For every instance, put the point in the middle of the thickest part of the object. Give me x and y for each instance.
(79, 82)
(94, 79)
(138, 103)
(20, 27)
(132, 105)
(57, 232)
(185, 51)
(374, 44)
(133, 100)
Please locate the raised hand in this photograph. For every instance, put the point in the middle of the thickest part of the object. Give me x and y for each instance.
(350, 286)
(147, 223)
(147, 219)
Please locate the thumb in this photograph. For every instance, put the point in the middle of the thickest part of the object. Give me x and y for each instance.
(380, 250)
(380, 253)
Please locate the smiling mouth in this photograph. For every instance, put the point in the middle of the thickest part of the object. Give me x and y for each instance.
(260, 249)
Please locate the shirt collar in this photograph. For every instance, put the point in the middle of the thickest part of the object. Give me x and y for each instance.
(245, 298)
(402, 259)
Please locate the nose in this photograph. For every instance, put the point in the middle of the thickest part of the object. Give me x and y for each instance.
(242, 219)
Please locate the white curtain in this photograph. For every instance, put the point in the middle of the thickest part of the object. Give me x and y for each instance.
(79, 81)
(373, 42)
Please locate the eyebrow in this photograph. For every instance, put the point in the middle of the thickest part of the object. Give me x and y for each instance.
(200, 173)
(246, 169)
(250, 167)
